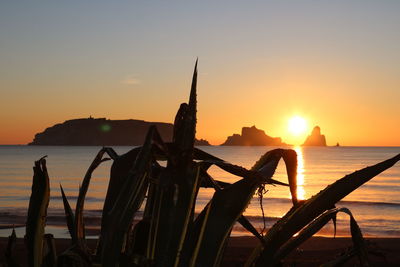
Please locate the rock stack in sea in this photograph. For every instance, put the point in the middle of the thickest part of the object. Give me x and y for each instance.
(251, 136)
(103, 132)
(316, 138)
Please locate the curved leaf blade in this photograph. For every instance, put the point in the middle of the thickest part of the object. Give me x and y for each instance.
(225, 208)
(79, 222)
(69, 216)
(300, 216)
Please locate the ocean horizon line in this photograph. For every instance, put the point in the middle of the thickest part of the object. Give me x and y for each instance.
(328, 146)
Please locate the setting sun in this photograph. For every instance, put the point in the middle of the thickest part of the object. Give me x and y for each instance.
(297, 125)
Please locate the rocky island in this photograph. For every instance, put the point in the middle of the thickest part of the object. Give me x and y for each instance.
(103, 132)
(251, 136)
(316, 138)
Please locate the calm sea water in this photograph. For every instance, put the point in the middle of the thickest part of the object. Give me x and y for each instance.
(375, 205)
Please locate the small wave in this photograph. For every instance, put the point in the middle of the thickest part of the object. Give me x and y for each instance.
(87, 198)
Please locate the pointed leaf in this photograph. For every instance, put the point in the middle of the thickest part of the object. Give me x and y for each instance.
(69, 216)
(185, 125)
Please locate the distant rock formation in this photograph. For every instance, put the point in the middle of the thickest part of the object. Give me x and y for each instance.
(102, 132)
(201, 142)
(316, 138)
(251, 136)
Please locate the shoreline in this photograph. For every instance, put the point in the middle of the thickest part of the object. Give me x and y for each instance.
(313, 252)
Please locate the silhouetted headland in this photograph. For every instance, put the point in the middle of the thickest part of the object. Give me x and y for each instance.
(103, 132)
(251, 136)
(316, 138)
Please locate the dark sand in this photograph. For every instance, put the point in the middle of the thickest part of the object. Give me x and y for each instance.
(313, 252)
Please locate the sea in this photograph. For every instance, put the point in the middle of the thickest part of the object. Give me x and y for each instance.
(375, 205)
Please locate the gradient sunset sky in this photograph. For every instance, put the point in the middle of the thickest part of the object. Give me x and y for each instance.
(334, 63)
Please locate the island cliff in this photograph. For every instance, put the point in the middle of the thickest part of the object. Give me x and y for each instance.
(316, 138)
(103, 132)
(251, 136)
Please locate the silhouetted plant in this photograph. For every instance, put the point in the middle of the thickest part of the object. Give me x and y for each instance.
(169, 233)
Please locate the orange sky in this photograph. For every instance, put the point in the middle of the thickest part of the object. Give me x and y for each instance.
(335, 64)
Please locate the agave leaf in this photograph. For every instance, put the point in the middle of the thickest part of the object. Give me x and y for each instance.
(140, 235)
(243, 172)
(179, 187)
(262, 171)
(153, 210)
(315, 226)
(290, 158)
(175, 211)
(37, 212)
(119, 172)
(127, 203)
(300, 216)
(11, 244)
(50, 257)
(185, 124)
(225, 208)
(208, 181)
(79, 223)
(69, 216)
(358, 241)
(249, 227)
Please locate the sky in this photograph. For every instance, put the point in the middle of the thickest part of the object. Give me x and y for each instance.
(334, 63)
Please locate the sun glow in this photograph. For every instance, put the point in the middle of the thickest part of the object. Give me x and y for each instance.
(297, 125)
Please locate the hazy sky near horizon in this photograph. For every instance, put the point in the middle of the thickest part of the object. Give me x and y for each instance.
(335, 63)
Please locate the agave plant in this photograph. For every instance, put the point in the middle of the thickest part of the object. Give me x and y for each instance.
(169, 232)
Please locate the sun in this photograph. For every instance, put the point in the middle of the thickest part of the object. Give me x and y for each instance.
(297, 125)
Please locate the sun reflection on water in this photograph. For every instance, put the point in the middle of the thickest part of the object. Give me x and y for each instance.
(301, 193)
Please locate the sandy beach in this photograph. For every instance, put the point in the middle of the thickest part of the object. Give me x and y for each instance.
(318, 250)
(315, 251)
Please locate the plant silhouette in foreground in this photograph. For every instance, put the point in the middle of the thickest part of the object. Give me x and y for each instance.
(169, 232)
